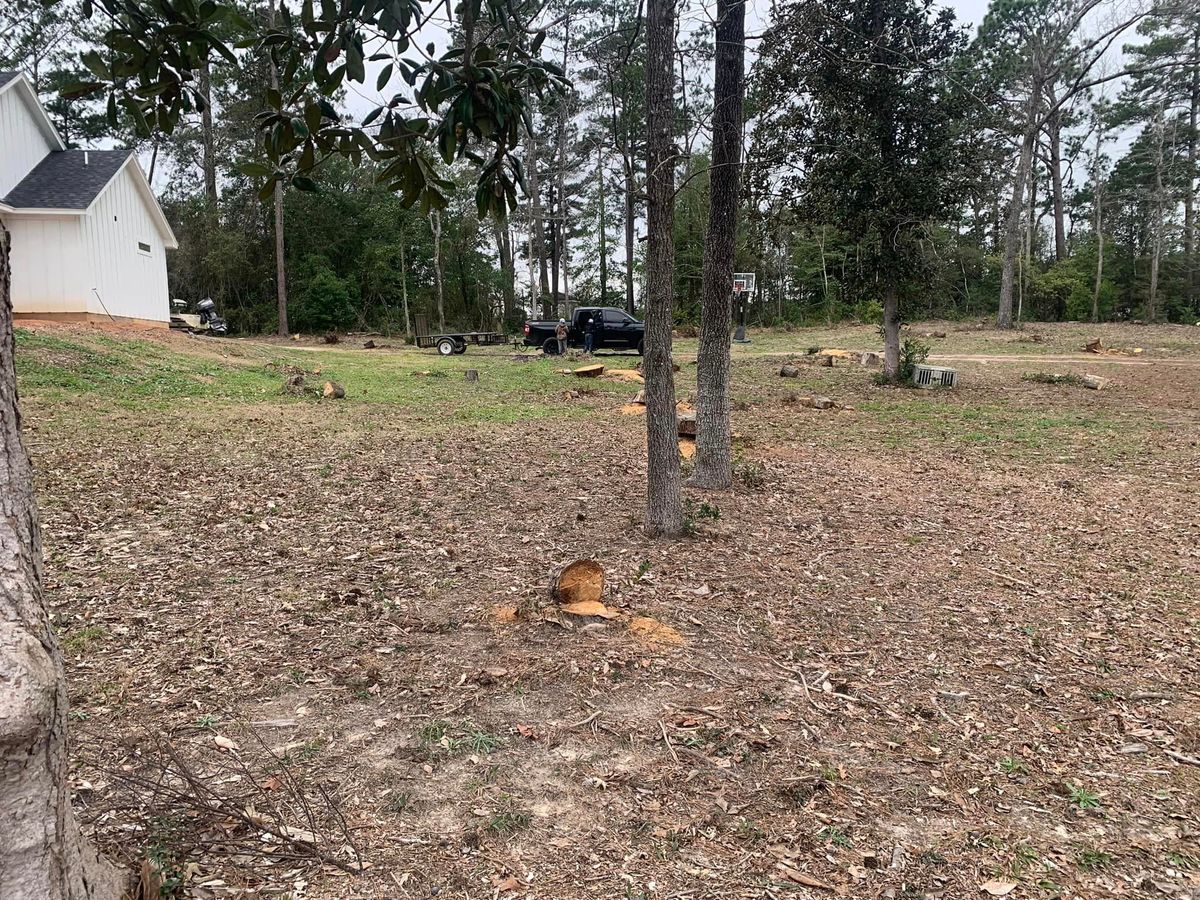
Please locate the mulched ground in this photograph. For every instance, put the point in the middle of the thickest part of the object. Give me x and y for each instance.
(937, 668)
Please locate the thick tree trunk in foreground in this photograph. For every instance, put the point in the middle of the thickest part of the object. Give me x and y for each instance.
(714, 454)
(664, 506)
(891, 332)
(1016, 205)
(42, 854)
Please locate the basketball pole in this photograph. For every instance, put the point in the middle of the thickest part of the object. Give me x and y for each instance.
(739, 333)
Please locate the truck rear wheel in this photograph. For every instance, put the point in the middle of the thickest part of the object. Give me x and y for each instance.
(641, 347)
(550, 347)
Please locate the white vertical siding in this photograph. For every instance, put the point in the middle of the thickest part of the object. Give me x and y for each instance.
(22, 143)
(132, 284)
(49, 270)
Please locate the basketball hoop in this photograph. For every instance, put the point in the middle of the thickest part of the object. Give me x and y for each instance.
(743, 282)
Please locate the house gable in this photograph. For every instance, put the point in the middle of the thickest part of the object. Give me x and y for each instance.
(26, 135)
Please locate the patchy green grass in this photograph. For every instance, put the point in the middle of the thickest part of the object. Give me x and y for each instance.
(134, 373)
(137, 374)
(445, 738)
(1014, 429)
(79, 641)
(510, 816)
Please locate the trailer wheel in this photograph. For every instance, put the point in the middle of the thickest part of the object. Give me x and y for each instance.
(445, 346)
(550, 346)
(460, 348)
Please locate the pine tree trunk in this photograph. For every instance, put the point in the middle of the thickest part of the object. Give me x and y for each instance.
(209, 154)
(404, 292)
(281, 298)
(435, 226)
(1189, 192)
(714, 456)
(603, 229)
(1056, 186)
(630, 218)
(535, 225)
(508, 274)
(1159, 220)
(555, 245)
(43, 856)
(1098, 222)
(891, 332)
(1016, 207)
(1099, 260)
(664, 507)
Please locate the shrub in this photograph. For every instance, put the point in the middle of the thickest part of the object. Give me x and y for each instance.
(912, 354)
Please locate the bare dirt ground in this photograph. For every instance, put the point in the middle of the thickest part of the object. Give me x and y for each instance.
(933, 645)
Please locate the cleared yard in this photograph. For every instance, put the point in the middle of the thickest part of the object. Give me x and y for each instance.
(935, 643)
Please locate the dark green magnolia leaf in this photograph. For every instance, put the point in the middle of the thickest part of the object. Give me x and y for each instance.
(384, 77)
(81, 89)
(355, 68)
(304, 183)
(254, 170)
(139, 118)
(312, 116)
(95, 64)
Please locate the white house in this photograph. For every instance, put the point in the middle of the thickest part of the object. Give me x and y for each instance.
(89, 240)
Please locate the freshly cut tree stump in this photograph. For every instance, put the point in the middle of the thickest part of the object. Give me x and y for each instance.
(1096, 346)
(333, 391)
(471, 374)
(687, 424)
(581, 581)
(826, 361)
(639, 398)
(789, 371)
(589, 371)
(870, 359)
(1095, 382)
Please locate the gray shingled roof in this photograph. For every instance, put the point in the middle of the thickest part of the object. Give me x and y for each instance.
(6, 77)
(62, 181)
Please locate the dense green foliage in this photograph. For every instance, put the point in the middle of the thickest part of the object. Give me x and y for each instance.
(816, 208)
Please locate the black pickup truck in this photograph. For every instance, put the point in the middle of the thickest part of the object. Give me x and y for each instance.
(613, 329)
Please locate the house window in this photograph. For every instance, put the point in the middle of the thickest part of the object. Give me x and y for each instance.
(143, 247)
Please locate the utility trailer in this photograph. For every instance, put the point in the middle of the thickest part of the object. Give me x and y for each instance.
(447, 343)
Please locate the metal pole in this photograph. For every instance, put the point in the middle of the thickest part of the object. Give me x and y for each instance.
(739, 334)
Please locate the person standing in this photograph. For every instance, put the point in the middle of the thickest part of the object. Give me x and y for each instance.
(589, 336)
(560, 335)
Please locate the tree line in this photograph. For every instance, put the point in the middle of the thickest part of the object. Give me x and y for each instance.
(1074, 200)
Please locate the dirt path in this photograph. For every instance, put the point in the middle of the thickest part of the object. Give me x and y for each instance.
(1074, 358)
